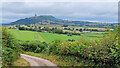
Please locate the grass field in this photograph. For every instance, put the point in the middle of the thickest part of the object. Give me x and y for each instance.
(49, 37)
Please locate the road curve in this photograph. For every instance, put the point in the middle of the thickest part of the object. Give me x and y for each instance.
(37, 61)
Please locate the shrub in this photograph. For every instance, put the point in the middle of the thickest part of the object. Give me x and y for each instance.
(10, 48)
(33, 46)
(55, 46)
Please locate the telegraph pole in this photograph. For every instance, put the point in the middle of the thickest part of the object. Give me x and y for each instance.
(35, 33)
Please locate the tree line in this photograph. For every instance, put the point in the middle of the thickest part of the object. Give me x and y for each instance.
(47, 29)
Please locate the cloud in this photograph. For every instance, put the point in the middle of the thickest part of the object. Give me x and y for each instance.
(60, 0)
(94, 11)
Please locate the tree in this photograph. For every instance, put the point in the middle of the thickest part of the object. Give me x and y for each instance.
(52, 29)
(84, 29)
(65, 26)
(77, 29)
(31, 29)
(68, 28)
(80, 30)
(39, 27)
(73, 29)
(17, 25)
(22, 28)
(47, 29)
(69, 34)
(55, 27)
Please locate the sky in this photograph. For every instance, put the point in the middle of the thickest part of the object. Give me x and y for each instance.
(103, 12)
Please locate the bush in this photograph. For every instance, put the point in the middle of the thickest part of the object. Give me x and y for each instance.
(55, 46)
(33, 46)
(10, 48)
(69, 34)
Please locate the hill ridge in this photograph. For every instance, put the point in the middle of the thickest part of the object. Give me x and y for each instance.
(48, 20)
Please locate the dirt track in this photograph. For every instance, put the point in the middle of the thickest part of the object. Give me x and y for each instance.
(38, 62)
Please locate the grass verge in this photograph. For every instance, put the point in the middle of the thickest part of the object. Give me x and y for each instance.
(21, 62)
(61, 60)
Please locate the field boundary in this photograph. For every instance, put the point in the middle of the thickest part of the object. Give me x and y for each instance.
(41, 37)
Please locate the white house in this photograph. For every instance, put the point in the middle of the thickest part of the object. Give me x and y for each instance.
(85, 31)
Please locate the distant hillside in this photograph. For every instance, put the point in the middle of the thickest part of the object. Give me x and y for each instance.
(48, 20)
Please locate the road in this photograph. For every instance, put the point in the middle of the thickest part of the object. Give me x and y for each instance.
(37, 62)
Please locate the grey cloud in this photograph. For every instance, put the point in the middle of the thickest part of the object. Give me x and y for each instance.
(71, 10)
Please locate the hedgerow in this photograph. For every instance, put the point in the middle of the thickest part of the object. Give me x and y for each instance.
(104, 51)
(10, 48)
(33, 46)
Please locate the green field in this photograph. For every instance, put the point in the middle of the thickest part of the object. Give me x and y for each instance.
(49, 37)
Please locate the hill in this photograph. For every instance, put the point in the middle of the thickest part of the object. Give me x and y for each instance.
(48, 20)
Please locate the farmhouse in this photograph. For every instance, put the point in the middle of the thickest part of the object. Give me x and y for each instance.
(77, 31)
(71, 31)
(85, 31)
(45, 31)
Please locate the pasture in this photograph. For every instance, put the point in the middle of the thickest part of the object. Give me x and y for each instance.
(49, 37)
